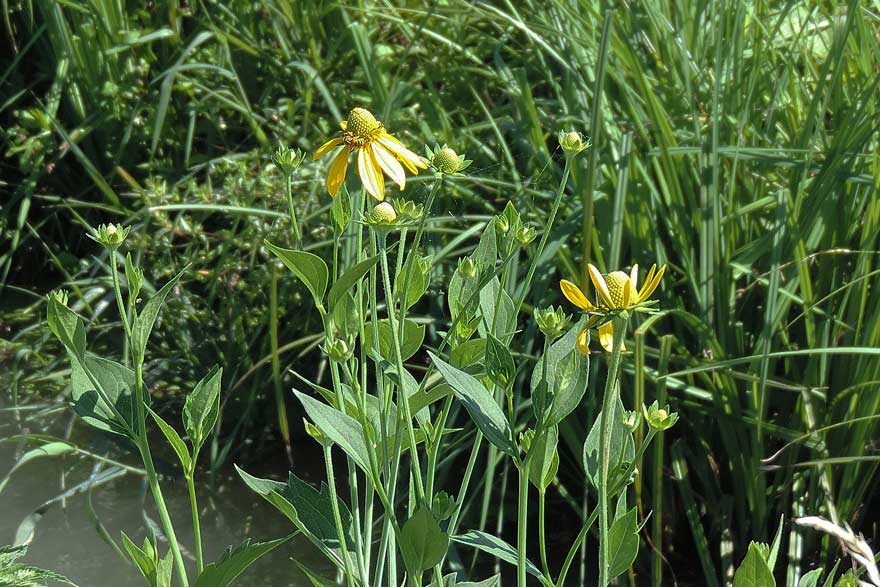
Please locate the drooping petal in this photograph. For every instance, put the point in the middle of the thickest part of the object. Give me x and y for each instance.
(645, 285)
(652, 285)
(583, 341)
(606, 337)
(370, 174)
(336, 173)
(574, 295)
(323, 149)
(627, 292)
(412, 161)
(600, 285)
(389, 164)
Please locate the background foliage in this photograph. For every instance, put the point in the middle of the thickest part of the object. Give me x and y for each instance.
(735, 141)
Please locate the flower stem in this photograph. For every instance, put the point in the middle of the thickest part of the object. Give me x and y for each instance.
(522, 521)
(541, 533)
(297, 237)
(337, 518)
(609, 406)
(197, 532)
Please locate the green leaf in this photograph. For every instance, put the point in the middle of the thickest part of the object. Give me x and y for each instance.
(235, 561)
(340, 210)
(544, 461)
(450, 580)
(145, 320)
(341, 428)
(420, 268)
(777, 542)
(132, 277)
(623, 543)
(499, 362)
(422, 543)
(468, 353)
(413, 336)
(811, 579)
(67, 327)
(49, 449)
(567, 371)
(202, 408)
(480, 405)
(310, 269)
(349, 279)
(753, 572)
(622, 445)
(175, 441)
(116, 383)
(145, 561)
(346, 317)
(504, 317)
(163, 571)
(496, 547)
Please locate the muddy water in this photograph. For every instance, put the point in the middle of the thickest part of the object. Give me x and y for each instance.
(65, 539)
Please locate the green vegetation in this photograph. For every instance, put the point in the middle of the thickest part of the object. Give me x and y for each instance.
(734, 142)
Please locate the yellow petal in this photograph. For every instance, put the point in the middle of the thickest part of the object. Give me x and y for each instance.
(389, 164)
(606, 337)
(412, 161)
(627, 292)
(343, 124)
(583, 342)
(645, 285)
(649, 288)
(574, 295)
(336, 174)
(600, 285)
(371, 174)
(323, 149)
(634, 277)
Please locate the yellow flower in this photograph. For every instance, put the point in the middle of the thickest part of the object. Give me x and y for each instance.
(378, 153)
(615, 291)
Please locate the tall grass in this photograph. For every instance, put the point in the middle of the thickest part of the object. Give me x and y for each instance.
(737, 141)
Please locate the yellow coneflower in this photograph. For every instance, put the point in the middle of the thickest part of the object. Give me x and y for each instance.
(615, 291)
(378, 152)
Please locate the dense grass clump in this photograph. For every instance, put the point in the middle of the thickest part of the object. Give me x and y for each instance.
(735, 142)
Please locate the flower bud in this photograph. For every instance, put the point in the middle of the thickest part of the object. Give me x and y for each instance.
(572, 142)
(409, 211)
(525, 439)
(316, 433)
(287, 160)
(525, 235)
(110, 235)
(631, 419)
(442, 506)
(338, 350)
(60, 296)
(468, 267)
(659, 418)
(383, 214)
(552, 322)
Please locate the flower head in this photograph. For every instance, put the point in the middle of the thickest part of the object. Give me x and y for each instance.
(572, 142)
(446, 161)
(110, 235)
(383, 214)
(615, 292)
(378, 154)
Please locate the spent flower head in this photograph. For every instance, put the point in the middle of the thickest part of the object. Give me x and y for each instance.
(445, 160)
(659, 418)
(378, 154)
(616, 292)
(572, 142)
(109, 235)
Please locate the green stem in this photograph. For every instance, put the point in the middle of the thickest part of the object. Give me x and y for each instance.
(337, 518)
(197, 531)
(123, 314)
(609, 406)
(541, 532)
(572, 552)
(402, 399)
(293, 222)
(522, 521)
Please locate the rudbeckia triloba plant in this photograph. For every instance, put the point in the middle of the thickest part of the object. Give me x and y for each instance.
(400, 429)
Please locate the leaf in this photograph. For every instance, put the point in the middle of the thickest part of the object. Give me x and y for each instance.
(349, 279)
(116, 383)
(49, 449)
(346, 317)
(623, 543)
(143, 324)
(544, 461)
(413, 336)
(774, 548)
(567, 371)
(811, 579)
(753, 571)
(499, 362)
(145, 561)
(480, 405)
(419, 269)
(422, 543)
(175, 441)
(468, 353)
(622, 445)
(67, 327)
(450, 580)
(163, 571)
(496, 547)
(235, 561)
(503, 318)
(13, 574)
(341, 428)
(202, 408)
(310, 269)
(340, 210)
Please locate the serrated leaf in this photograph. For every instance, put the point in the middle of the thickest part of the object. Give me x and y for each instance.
(310, 268)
